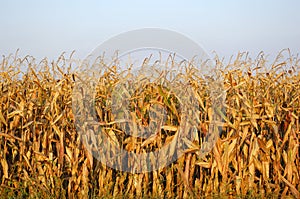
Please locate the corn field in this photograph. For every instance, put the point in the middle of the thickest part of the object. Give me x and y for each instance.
(256, 155)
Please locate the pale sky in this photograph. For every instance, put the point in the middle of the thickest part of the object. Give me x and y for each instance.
(47, 28)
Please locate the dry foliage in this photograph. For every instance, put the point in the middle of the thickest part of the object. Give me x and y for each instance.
(257, 154)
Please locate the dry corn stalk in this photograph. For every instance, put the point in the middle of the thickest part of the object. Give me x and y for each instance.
(257, 152)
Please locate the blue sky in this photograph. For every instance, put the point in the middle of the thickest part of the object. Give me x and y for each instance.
(47, 28)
